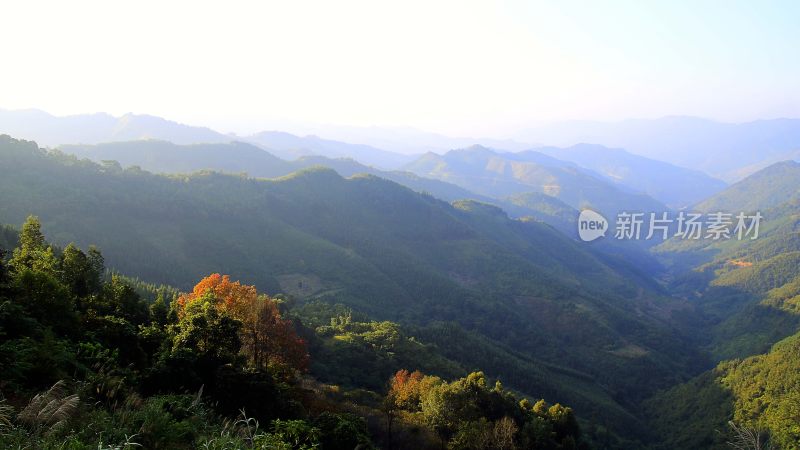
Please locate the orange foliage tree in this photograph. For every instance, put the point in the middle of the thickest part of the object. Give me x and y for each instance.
(267, 338)
(405, 389)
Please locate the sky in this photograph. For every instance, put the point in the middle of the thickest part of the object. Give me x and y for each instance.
(456, 67)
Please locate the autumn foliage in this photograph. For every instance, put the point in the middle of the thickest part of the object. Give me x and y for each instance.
(268, 340)
(405, 389)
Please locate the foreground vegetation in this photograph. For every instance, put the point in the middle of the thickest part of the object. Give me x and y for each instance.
(86, 363)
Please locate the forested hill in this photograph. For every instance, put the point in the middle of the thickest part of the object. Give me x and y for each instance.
(747, 293)
(758, 395)
(239, 157)
(579, 329)
(676, 186)
(745, 288)
(501, 175)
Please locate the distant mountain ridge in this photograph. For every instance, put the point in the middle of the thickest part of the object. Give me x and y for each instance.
(503, 175)
(289, 146)
(165, 157)
(240, 157)
(723, 150)
(676, 186)
(53, 131)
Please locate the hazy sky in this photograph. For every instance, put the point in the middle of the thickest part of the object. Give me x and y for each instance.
(457, 67)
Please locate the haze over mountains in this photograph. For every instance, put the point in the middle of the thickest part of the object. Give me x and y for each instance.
(289, 146)
(52, 131)
(673, 185)
(729, 151)
(98, 128)
(724, 151)
(489, 173)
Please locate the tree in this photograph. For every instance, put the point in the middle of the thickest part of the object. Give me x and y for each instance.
(159, 311)
(119, 298)
(267, 338)
(405, 389)
(468, 414)
(45, 299)
(403, 394)
(33, 252)
(98, 267)
(504, 434)
(564, 422)
(204, 330)
(747, 438)
(79, 272)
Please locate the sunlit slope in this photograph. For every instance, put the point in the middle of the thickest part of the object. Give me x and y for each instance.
(760, 392)
(503, 175)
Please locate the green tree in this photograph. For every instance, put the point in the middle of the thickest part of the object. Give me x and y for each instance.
(120, 299)
(78, 272)
(33, 252)
(45, 299)
(204, 330)
(159, 311)
(98, 267)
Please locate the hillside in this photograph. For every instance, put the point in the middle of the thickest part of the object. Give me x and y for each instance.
(96, 360)
(166, 157)
(744, 288)
(747, 293)
(237, 157)
(767, 188)
(289, 146)
(675, 186)
(502, 175)
(760, 393)
(380, 248)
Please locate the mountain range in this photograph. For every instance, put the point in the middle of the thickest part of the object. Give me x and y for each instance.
(239, 157)
(446, 244)
(88, 129)
(729, 151)
(503, 175)
(580, 328)
(675, 186)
